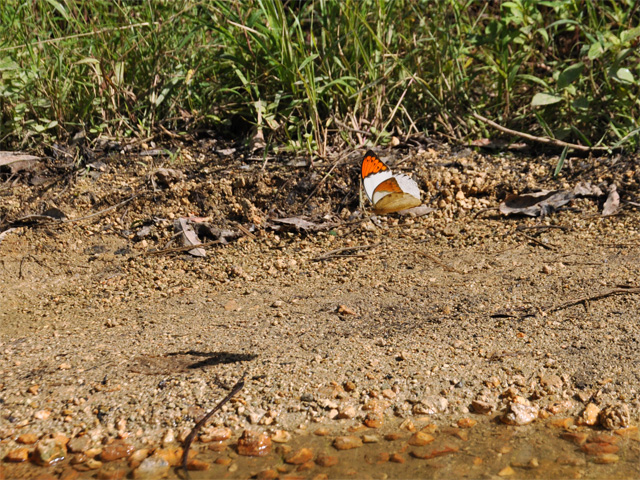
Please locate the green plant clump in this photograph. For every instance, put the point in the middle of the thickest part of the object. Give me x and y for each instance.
(307, 74)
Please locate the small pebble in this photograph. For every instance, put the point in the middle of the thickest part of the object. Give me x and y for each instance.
(78, 458)
(299, 457)
(589, 415)
(613, 417)
(151, 468)
(198, 465)
(168, 438)
(599, 448)
(562, 422)
(435, 452)
(268, 474)
(17, 455)
(327, 460)
(254, 444)
(466, 423)
(396, 458)
(606, 458)
(628, 431)
(347, 442)
(349, 386)
(215, 434)
(382, 457)
(604, 438)
(27, 438)
(481, 407)
(48, 452)
(348, 411)
(579, 438)
(173, 456)
(111, 472)
(42, 414)
(430, 405)
(136, 458)
(344, 310)
(374, 420)
(519, 414)
(408, 425)
(309, 465)
(116, 451)
(420, 439)
(281, 436)
(506, 472)
(79, 444)
(93, 464)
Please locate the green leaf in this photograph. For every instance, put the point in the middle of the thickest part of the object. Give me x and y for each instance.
(581, 103)
(629, 35)
(540, 99)
(534, 79)
(624, 75)
(570, 75)
(560, 163)
(61, 10)
(595, 51)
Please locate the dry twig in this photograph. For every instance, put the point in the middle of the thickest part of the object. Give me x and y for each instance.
(338, 252)
(108, 209)
(186, 248)
(545, 140)
(187, 442)
(598, 296)
(323, 180)
(435, 260)
(538, 242)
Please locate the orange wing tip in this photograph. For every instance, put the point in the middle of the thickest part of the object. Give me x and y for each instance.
(372, 164)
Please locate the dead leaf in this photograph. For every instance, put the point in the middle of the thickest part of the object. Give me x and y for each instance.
(52, 214)
(189, 237)
(257, 141)
(206, 230)
(5, 233)
(166, 176)
(586, 189)
(612, 205)
(536, 204)
(55, 213)
(419, 211)
(299, 224)
(16, 162)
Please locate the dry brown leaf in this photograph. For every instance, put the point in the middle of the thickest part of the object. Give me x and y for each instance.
(612, 205)
(536, 204)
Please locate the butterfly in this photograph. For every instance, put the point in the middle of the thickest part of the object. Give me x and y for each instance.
(387, 191)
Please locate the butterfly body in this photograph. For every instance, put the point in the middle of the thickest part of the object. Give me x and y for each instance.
(387, 191)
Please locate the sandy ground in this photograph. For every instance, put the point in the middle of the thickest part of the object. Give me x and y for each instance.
(422, 316)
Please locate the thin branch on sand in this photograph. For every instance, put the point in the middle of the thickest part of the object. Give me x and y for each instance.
(187, 442)
(342, 252)
(598, 296)
(545, 140)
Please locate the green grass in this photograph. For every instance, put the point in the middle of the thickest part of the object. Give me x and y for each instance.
(319, 73)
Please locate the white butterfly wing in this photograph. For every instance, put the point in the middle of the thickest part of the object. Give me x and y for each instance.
(372, 181)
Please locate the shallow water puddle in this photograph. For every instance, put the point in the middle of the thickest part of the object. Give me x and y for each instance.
(411, 451)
